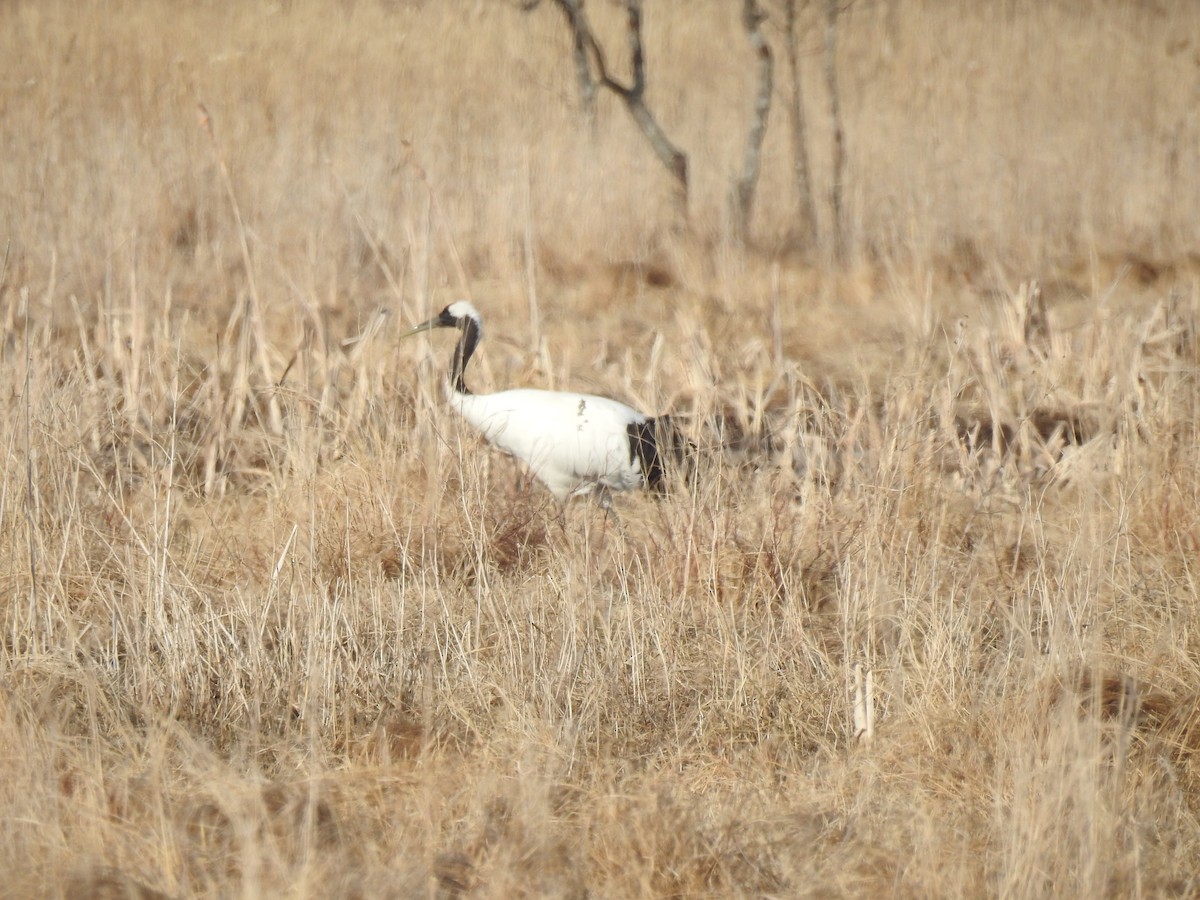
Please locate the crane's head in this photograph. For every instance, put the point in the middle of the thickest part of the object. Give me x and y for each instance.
(457, 315)
(465, 317)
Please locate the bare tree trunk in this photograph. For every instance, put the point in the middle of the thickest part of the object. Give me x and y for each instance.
(587, 87)
(632, 95)
(573, 10)
(806, 213)
(744, 187)
(839, 136)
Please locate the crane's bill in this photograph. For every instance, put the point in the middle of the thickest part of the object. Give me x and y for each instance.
(424, 326)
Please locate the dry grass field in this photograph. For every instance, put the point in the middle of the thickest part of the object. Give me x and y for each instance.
(922, 620)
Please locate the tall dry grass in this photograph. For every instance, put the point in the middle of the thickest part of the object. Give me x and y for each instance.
(923, 622)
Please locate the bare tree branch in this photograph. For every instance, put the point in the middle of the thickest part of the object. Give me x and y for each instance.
(752, 18)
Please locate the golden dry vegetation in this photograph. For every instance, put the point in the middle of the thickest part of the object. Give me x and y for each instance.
(924, 620)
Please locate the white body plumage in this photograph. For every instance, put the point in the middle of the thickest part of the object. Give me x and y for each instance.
(573, 443)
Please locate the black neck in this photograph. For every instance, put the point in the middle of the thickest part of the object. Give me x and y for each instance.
(462, 354)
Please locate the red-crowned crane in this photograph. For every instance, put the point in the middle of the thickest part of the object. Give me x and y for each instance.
(574, 444)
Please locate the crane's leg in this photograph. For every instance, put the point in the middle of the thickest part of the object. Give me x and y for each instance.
(604, 498)
(560, 514)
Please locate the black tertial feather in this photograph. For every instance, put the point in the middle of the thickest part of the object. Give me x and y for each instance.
(654, 443)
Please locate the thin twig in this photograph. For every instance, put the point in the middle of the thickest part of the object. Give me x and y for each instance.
(254, 306)
(30, 495)
(839, 135)
(806, 214)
